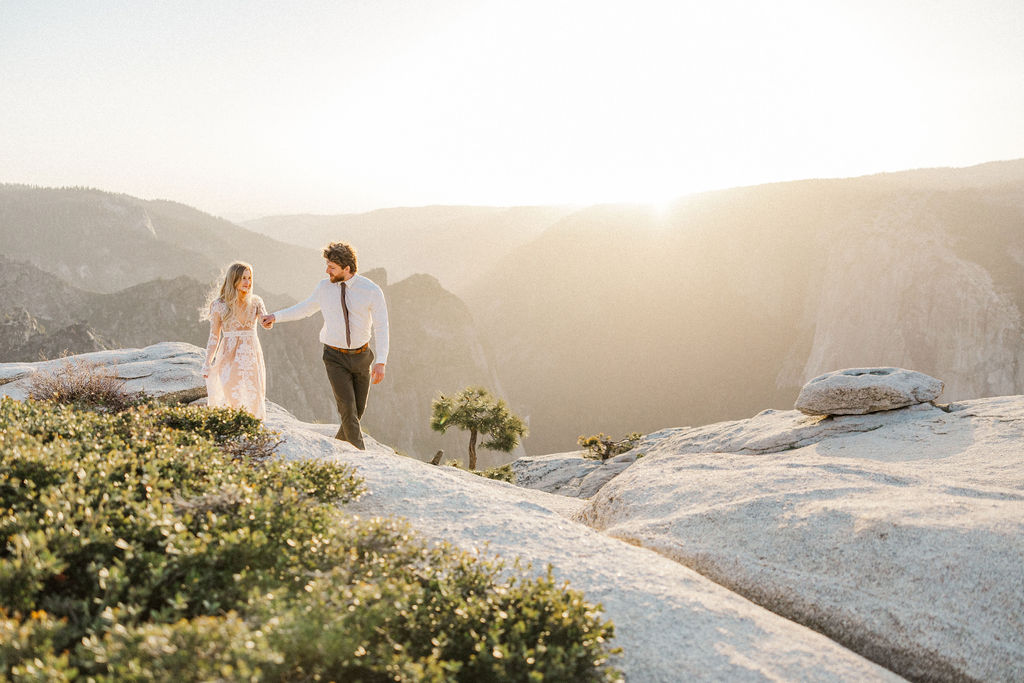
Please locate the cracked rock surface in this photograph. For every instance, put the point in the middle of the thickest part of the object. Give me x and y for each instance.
(899, 534)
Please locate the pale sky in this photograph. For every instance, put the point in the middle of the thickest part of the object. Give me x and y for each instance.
(250, 107)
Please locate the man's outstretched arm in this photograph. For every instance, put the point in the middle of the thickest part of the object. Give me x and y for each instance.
(303, 309)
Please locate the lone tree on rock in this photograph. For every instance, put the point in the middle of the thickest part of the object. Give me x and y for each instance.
(475, 409)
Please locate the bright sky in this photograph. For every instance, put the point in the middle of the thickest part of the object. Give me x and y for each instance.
(250, 107)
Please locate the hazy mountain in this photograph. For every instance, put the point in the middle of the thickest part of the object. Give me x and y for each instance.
(434, 345)
(104, 242)
(23, 337)
(455, 244)
(620, 319)
(990, 176)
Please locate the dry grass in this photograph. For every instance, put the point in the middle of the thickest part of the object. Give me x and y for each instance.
(259, 448)
(84, 383)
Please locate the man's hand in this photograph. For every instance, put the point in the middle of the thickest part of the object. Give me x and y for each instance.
(267, 321)
(377, 373)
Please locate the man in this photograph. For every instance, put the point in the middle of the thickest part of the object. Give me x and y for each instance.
(351, 304)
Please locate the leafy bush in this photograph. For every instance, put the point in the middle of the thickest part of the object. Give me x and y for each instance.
(601, 447)
(135, 547)
(236, 431)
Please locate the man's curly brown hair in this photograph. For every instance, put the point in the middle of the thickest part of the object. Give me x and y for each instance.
(342, 254)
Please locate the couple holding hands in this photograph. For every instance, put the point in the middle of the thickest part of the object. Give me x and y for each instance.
(352, 306)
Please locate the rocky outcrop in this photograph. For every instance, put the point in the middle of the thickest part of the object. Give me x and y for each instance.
(866, 390)
(671, 623)
(569, 474)
(168, 369)
(899, 534)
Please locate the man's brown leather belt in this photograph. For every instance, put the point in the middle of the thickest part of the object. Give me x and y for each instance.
(359, 350)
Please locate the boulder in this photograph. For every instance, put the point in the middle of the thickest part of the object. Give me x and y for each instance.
(168, 369)
(857, 391)
(898, 534)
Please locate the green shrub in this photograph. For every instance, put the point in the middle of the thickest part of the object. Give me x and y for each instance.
(601, 447)
(218, 424)
(206, 648)
(134, 546)
(27, 651)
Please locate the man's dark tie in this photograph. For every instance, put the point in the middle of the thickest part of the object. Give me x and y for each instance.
(344, 309)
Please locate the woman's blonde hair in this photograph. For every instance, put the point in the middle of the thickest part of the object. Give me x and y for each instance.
(227, 292)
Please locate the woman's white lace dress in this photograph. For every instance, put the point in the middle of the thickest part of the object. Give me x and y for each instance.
(237, 374)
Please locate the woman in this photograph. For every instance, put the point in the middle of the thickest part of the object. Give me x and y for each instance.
(236, 376)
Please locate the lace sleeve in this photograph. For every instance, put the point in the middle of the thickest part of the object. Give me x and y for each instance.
(261, 308)
(214, 340)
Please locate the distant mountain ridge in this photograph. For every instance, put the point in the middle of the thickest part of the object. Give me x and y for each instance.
(729, 301)
(620, 318)
(1008, 173)
(455, 244)
(435, 347)
(103, 242)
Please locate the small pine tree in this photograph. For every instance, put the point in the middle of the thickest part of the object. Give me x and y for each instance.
(476, 410)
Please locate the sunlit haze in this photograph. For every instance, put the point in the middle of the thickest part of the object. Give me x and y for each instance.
(252, 108)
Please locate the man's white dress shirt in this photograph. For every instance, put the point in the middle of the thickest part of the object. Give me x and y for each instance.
(367, 313)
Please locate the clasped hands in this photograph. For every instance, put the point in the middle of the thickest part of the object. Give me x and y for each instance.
(267, 321)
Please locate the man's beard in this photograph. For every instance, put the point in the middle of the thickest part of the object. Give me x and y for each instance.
(335, 280)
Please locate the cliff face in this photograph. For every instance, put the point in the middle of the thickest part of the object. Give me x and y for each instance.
(908, 283)
(618, 319)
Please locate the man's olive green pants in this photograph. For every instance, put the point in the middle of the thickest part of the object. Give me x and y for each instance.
(349, 374)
